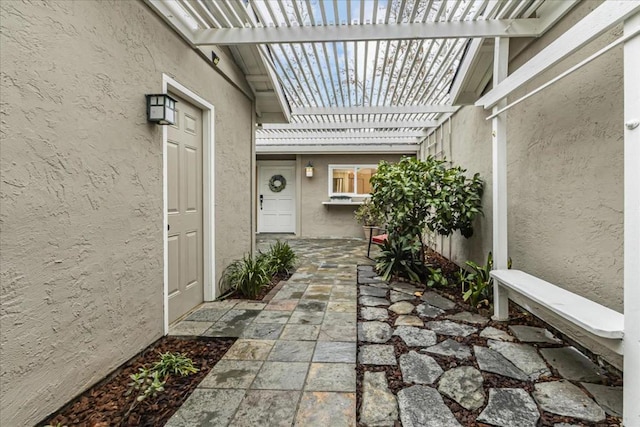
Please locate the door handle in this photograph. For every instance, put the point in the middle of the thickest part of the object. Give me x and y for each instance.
(261, 200)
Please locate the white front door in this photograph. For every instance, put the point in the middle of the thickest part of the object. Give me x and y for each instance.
(276, 197)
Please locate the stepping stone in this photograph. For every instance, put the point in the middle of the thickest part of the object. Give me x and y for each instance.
(291, 351)
(492, 361)
(405, 288)
(370, 280)
(244, 349)
(495, 334)
(331, 377)
(264, 331)
(436, 300)
(265, 407)
(335, 352)
(465, 316)
(523, 356)
(405, 320)
(376, 354)
(304, 317)
(377, 332)
(447, 327)
(564, 398)
(400, 296)
(450, 347)
(572, 365)
(379, 405)
(372, 292)
(312, 305)
(292, 332)
(533, 334)
(214, 406)
(422, 406)
(510, 407)
(206, 315)
(321, 408)
(416, 337)
(609, 398)
(364, 268)
(426, 310)
(281, 376)
(372, 301)
(464, 385)
(236, 374)
(402, 307)
(373, 313)
(419, 368)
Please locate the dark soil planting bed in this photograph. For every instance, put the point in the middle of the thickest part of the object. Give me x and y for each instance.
(105, 404)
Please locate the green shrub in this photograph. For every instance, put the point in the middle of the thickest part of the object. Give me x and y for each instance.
(368, 214)
(174, 364)
(399, 257)
(247, 275)
(435, 277)
(478, 283)
(280, 259)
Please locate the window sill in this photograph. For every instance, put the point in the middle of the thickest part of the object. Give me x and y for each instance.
(343, 203)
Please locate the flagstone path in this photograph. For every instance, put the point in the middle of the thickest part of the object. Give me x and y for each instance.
(295, 359)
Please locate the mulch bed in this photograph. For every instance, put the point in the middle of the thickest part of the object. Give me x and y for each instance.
(105, 404)
(517, 317)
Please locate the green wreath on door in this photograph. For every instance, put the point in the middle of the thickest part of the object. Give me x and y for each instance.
(277, 183)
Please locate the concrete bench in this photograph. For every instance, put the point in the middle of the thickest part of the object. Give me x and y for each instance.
(603, 324)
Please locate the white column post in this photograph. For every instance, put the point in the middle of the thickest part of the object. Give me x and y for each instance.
(632, 224)
(499, 134)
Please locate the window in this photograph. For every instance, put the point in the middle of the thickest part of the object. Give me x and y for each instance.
(351, 180)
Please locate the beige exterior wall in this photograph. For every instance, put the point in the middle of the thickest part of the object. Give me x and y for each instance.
(81, 202)
(318, 220)
(565, 173)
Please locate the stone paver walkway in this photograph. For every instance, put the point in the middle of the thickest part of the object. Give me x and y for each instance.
(295, 357)
(439, 365)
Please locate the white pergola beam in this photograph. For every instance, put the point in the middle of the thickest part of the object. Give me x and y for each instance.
(401, 109)
(396, 124)
(338, 149)
(499, 150)
(294, 136)
(631, 341)
(336, 141)
(593, 25)
(344, 33)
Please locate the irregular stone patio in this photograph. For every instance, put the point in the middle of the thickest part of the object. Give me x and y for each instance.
(295, 358)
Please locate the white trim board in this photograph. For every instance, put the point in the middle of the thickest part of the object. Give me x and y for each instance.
(208, 186)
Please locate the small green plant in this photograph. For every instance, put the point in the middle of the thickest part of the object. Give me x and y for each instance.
(247, 275)
(146, 383)
(478, 283)
(368, 214)
(436, 278)
(174, 364)
(399, 257)
(280, 259)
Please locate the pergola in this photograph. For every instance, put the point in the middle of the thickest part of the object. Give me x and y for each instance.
(381, 75)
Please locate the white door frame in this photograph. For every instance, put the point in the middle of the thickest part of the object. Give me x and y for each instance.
(208, 186)
(259, 164)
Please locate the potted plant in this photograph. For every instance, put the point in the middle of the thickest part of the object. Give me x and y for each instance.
(369, 216)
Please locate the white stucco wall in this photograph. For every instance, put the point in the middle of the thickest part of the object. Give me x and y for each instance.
(565, 172)
(81, 191)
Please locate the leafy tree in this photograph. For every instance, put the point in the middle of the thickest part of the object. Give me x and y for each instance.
(415, 195)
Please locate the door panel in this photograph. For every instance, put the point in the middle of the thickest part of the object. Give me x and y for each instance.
(278, 211)
(184, 188)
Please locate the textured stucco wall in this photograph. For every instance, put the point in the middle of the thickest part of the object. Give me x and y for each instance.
(81, 191)
(565, 172)
(318, 220)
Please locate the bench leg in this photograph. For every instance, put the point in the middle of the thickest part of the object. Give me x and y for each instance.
(500, 302)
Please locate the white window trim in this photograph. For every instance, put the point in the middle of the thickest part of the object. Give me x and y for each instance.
(355, 184)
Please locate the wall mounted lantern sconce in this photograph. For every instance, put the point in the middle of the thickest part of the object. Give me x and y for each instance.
(214, 58)
(161, 109)
(309, 170)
